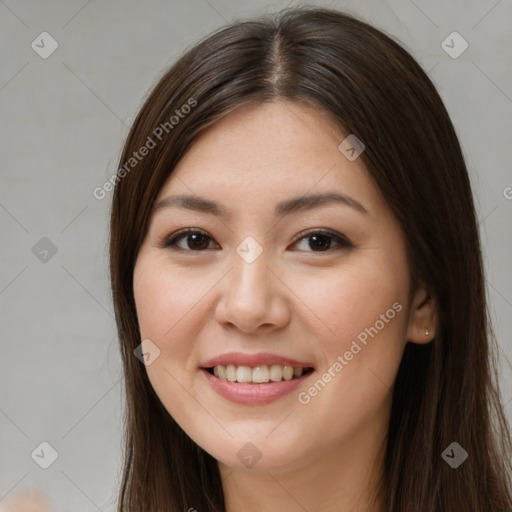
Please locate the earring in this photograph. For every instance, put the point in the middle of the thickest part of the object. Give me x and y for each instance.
(426, 332)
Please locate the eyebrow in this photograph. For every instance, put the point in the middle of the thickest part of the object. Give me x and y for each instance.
(287, 207)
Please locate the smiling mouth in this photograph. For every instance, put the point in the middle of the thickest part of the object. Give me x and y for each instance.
(259, 374)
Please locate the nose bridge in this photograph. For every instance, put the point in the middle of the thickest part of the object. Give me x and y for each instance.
(250, 273)
(251, 295)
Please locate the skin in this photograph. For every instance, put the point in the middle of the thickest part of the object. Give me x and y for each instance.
(294, 299)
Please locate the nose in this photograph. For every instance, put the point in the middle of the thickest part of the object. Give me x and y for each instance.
(254, 297)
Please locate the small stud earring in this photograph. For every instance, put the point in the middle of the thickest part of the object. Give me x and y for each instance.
(426, 332)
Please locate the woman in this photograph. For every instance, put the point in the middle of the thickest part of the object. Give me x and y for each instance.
(298, 283)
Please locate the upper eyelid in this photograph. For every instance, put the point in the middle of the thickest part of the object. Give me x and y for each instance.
(339, 238)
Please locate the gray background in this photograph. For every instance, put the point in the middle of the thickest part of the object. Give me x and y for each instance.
(64, 119)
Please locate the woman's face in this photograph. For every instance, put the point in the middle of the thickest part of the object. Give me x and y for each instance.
(275, 277)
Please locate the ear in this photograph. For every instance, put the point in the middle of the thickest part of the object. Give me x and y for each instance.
(423, 317)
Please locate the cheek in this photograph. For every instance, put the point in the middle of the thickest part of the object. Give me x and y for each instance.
(360, 313)
(347, 302)
(168, 313)
(164, 297)
(172, 310)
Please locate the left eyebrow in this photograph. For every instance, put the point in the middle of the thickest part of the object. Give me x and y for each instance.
(287, 207)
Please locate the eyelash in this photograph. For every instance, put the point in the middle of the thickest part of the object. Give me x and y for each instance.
(170, 242)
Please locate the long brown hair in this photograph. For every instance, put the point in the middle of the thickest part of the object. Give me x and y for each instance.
(445, 391)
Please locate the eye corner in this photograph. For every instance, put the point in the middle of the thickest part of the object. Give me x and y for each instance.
(342, 241)
(170, 241)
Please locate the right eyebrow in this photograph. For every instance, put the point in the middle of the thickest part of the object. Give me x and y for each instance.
(284, 208)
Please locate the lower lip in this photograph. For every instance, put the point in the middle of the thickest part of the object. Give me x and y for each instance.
(245, 393)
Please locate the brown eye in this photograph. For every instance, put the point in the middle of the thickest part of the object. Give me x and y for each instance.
(195, 240)
(321, 241)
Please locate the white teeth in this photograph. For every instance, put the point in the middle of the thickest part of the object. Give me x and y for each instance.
(276, 372)
(288, 372)
(258, 374)
(231, 372)
(243, 374)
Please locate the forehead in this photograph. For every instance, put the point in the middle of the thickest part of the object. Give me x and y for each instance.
(261, 153)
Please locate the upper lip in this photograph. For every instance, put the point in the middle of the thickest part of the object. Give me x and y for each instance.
(260, 359)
